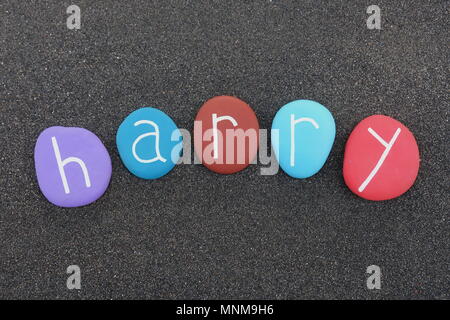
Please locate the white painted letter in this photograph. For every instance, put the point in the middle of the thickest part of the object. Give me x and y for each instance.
(216, 120)
(388, 147)
(62, 163)
(142, 136)
(293, 123)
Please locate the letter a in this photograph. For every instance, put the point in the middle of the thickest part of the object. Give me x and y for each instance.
(374, 280)
(374, 21)
(142, 136)
(293, 123)
(63, 163)
(216, 120)
(74, 280)
(377, 167)
(74, 20)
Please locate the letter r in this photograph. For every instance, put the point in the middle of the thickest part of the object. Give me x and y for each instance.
(293, 123)
(215, 120)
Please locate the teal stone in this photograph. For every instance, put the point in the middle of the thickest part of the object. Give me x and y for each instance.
(303, 133)
(149, 143)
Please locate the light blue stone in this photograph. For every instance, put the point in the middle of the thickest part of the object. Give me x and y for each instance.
(149, 143)
(302, 135)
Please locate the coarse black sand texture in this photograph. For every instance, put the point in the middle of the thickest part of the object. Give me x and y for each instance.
(194, 233)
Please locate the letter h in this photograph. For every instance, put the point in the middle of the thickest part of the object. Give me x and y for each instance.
(62, 163)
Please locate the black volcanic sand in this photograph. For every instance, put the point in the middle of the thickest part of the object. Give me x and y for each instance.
(194, 233)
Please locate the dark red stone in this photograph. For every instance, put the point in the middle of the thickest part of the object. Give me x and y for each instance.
(232, 154)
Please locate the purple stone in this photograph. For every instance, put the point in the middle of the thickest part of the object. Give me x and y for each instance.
(73, 167)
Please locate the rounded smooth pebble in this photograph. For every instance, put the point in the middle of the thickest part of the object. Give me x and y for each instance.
(73, 167)
(149, 143)
(302, 135)
(219, 151)
(381, 159)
